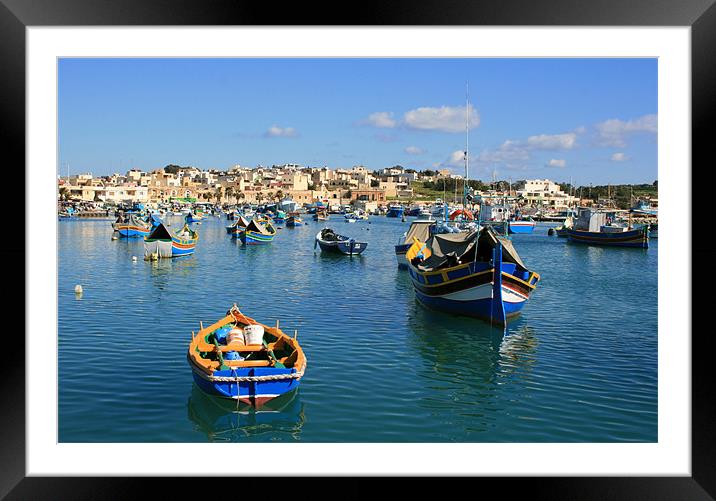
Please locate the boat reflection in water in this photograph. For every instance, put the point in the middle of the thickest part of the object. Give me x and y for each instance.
(222, 421)
(471, 371)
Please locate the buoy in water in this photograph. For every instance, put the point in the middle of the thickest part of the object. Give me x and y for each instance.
(550, 231)
(134, 259)
(78, 289)
(115, 237)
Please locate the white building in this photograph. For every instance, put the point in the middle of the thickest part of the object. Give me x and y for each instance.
(545, 193)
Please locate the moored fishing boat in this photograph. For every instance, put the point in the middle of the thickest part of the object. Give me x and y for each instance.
(257, 232)
(242, 359)
(162, 243)
(131, 225)
(321, 215)
(477, 274)
(330, 241)
(292, 221)
(420, 229)
(521, 226)
(593, 228)
(395, 210)
(240, 223)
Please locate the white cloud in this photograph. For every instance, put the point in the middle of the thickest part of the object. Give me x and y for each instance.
(276, 131)
(614, 132)
(619, 157)
(456, 159)
(557, 163)
(381, 119)
(552, 142)
(445, 118)
(414, 150)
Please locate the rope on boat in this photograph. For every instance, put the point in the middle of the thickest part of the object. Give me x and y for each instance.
(251, 379)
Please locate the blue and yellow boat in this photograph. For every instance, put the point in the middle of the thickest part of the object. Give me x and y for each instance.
(236, 228)
(477, 274)
(292, 221)
(162, 243)
(241, 359)
(131, 225)
(257, 233)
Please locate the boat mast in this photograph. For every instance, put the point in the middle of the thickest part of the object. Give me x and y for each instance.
(467, 147)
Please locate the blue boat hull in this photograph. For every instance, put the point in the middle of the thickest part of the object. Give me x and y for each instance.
(132, 232)
(254, 238)
(476, 290)
(395, 212)
(521, 228)
(253, 392)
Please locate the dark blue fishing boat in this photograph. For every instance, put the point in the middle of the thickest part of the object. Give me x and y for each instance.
(330, 241)
(595, 227)
(395, 210)
(477, 274)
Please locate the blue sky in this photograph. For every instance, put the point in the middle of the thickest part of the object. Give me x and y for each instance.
(591, 120)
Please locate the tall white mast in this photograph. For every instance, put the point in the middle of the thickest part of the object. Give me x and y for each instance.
(467, 146)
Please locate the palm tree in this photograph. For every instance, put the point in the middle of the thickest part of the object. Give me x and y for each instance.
(239, 196)
(279, 195)
(229, 192)
(217, 194)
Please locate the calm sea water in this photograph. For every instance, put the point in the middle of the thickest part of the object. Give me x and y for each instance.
(579, 365)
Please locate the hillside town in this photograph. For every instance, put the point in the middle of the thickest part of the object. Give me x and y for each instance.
(357, 186)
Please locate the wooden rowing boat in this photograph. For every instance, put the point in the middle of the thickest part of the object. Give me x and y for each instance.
(227, 365)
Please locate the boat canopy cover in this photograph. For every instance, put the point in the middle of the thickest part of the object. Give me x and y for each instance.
(488, 238)
(160, 232)
(257, 227)
(135, 220)
(419, 230)
(451, 249)
(447, 249)
(241, 222)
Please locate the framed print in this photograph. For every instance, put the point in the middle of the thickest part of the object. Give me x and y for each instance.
(210, 298)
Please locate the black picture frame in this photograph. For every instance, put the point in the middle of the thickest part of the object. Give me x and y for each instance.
(700, 15)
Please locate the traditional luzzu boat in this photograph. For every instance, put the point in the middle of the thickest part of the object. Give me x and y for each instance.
(293, 221)
(242, 359)
(131, 225)
(257, 233)
(330, 241)
(240, 223)
(477, 274)
(593, 228)
(419, 229)
(162, 243)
